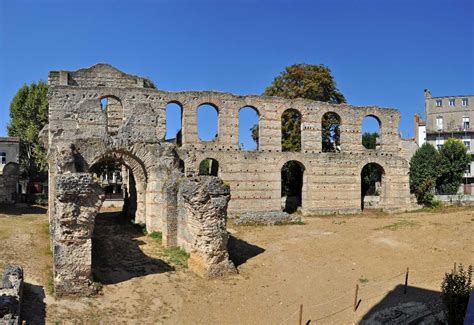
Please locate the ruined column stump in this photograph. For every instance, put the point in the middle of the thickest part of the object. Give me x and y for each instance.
(77, 201)
(202, 211)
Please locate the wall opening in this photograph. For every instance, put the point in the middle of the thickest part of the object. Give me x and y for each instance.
(174, 118)
(372, 185)
(291, 130)
(331, 132)
(248, 128)
(209, 167)
(207, 122)
(112, 107)
(371, 135)
(292, 174)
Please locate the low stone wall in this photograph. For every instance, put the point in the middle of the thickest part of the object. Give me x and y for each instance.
(266, 218)
(372, 202)
(456, 199)
(11, 292)
(202, 218)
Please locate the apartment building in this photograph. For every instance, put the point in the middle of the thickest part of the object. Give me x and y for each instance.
(448, 117)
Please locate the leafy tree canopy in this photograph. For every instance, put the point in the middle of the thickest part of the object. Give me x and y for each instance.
(453, 162)
(28, 115)
(424, 171)
(310, 81)
(369, 140)
(307, 81)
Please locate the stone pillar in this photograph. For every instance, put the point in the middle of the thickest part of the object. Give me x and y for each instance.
(78, 199)
(202, 214)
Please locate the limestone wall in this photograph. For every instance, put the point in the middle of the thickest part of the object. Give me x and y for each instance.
(331, 180)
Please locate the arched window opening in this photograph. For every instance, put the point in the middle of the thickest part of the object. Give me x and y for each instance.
(371, 132)
(174, 123)
(207, 122)
(248, 128)
(331, 132)
(209, 167)
(291, 130)
(112, 107)
(292, 185)
(371, 185)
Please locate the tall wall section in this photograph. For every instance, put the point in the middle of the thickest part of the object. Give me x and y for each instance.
(332, 181)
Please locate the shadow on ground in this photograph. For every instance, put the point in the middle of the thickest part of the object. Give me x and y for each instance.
(33, 309)
(116, 253)
(430, 298)
(240, 251)
(16, 210)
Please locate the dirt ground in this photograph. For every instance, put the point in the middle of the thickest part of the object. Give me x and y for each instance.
(317, 264)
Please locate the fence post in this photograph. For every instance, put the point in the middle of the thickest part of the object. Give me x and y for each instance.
(406, 281)
(355, 297)
(301, 314)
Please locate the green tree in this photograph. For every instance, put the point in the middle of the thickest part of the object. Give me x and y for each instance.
(424, 172)
(453, 162)
(310, 81)
(369, 140)
(291, 130)
(307, 81)
(28, 115)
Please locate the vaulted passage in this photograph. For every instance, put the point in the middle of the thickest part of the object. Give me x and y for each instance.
(292, 174)
(371, 136)
(113, 110)
(248, 128)
(331, 132)
(207, 122)
(372, 185)
(291, 130)
(174, 116)
(209, 167)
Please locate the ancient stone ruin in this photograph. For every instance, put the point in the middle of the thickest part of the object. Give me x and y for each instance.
(165, 191)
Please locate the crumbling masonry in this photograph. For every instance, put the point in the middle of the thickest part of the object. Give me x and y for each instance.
(190, 211)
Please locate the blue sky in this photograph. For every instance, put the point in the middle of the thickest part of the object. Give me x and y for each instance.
(380, 52)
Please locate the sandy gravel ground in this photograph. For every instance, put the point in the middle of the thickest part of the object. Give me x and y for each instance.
(317, 264)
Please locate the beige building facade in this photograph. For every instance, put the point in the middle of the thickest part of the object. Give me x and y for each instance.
(448, 117)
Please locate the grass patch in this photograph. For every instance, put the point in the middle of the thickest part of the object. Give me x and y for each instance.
(398, 225)
(50, 282)
(285, 223)
(98, 287)
(363, 280)
(175, 256)
(336, 222)
(156, 235)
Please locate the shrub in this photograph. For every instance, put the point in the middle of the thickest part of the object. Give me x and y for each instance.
(456, 288)
(424, 172)
(40, 198)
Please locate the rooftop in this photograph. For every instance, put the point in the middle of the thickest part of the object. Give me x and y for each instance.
(9, 139)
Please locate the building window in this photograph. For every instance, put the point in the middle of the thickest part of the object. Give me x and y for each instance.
(439, 103)
(465, 102)
(439, 123)
(467, 143)
(452, 102)
(468, 169)
(3, 158)
(465, 123)
(439, 142)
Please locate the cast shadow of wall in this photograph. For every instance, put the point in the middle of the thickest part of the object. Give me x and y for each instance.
(241, 251)
(116, 253)
(396, 296)
(33, 308)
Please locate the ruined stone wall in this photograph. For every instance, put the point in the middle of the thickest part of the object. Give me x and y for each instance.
(331, 180)
(8, 183)
(202, 217)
